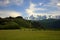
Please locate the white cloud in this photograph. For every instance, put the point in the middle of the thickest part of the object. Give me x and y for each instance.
(40, 4)
(15, 14)
(58, 4)
(33, 8)
(18, 2)
(40, 9)
(53, 3)
(6, 13)
(10, 2)
(4, 2)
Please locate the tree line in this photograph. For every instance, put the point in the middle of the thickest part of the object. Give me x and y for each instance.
(18, 23)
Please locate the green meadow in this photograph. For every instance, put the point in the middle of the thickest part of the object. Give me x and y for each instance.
(29, 35)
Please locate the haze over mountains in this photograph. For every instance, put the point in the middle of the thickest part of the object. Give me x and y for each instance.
(41, 17)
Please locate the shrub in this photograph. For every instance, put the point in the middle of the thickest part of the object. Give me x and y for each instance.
(11, 25)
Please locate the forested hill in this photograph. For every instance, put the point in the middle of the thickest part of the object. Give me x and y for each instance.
(19, 22)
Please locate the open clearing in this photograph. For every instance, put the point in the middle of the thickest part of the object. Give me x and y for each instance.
(29, 35)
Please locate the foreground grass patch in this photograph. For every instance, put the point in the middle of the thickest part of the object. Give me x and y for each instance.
(29, 35)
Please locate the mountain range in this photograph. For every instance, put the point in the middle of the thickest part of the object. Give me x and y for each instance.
(40, 17)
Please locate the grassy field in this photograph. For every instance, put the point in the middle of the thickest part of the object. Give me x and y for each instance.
(29, 35)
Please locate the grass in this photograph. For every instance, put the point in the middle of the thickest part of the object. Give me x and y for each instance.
(29, 35)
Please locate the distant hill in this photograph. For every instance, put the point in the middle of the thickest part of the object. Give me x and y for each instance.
(19, 22)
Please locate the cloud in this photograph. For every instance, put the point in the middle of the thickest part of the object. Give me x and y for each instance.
(6, 13)
(32, 8)
(4, 2)
(54, 3)
(40, 4)
(18, 2)
(11, 2)
(58, 4)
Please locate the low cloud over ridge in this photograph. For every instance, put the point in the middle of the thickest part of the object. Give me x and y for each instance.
(6, 13)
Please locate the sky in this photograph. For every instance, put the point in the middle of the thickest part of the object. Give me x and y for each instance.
(27, 8)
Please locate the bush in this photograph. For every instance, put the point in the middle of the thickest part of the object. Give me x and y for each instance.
(22, 23)
(11, 25)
